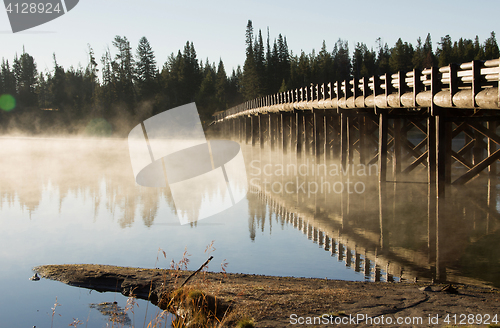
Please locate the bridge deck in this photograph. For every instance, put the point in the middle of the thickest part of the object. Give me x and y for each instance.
(473, 85)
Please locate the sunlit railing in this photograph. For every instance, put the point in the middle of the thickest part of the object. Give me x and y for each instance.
(469, 85)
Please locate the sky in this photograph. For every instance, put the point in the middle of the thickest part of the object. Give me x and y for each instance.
(217, 27)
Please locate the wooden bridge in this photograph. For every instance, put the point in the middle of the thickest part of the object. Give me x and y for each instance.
(362, 119)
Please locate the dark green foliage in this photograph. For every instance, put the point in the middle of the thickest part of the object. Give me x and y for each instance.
(123, 67)
(491, 47)
(221, 85)
(206, 99)
(251, 85)
(181, 78)
(26, 77)
(146, 70)
(423, 56)
(123, 89)
(234, 90)
(363, 61)
(383, 56)
(401, 57)
(445, 51)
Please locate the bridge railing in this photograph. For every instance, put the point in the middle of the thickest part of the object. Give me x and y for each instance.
(466, 86)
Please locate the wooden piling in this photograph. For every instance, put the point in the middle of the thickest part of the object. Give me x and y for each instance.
(344, 138)
(396, 160)
(261, 131)
(300, 130)
(492, 147)
(383, 131)
(431, 151)
(319, 132)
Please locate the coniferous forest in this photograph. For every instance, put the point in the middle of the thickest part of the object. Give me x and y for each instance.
(124, 86)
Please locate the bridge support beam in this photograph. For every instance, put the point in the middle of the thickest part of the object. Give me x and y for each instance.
(362, 122)
(344, 138)
(233, 129)
(431, 150)
(443, 154)
(299, 131)
(319, 134)
(241, 128)
(248, 129)
(309, 141)
(492, 147)
(383, 131)
(286, 131)
(261, 131)
(271, 133)
(328, 135)
(293, 132)
(477, 150)
(274, 130)
(255, 122)
(396, 161)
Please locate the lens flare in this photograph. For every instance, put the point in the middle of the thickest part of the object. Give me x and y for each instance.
(7, 102)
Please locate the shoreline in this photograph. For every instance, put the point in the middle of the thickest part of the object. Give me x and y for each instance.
(272, 301)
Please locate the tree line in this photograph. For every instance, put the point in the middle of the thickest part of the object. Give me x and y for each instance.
(124, 87)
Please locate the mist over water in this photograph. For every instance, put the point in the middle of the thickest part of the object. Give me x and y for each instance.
(74, 200)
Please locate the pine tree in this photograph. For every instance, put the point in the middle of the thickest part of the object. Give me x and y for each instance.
(325, 65)
(191, 75)
(234, 89)
(491, 48)
(57, 87)
(260, 64)
(357, 59)
(42, 92)
(146, 69)
(123, 69)
(270, 68)
(206, 99)
(430, 59)
(445, 51)
(26, 80)
(478, 49)
(283, 59)
(250, 83)
(341, 60)
(91, 80)
(221, 85)
(274, 68)
(8, 79)
(107, 92)
(401, 57)
(383, 58)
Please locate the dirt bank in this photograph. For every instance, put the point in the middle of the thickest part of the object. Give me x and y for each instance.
(283, 301)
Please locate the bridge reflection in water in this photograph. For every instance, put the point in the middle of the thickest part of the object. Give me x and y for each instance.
(389, 231)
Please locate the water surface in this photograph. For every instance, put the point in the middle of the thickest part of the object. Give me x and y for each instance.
(75, 201)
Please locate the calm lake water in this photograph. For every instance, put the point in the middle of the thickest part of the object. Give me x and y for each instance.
(75, 201)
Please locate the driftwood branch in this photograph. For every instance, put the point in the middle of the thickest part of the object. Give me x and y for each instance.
(192, 274)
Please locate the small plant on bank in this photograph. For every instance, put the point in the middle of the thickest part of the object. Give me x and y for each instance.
(54, 312)
(195, 308)
(76, 323)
